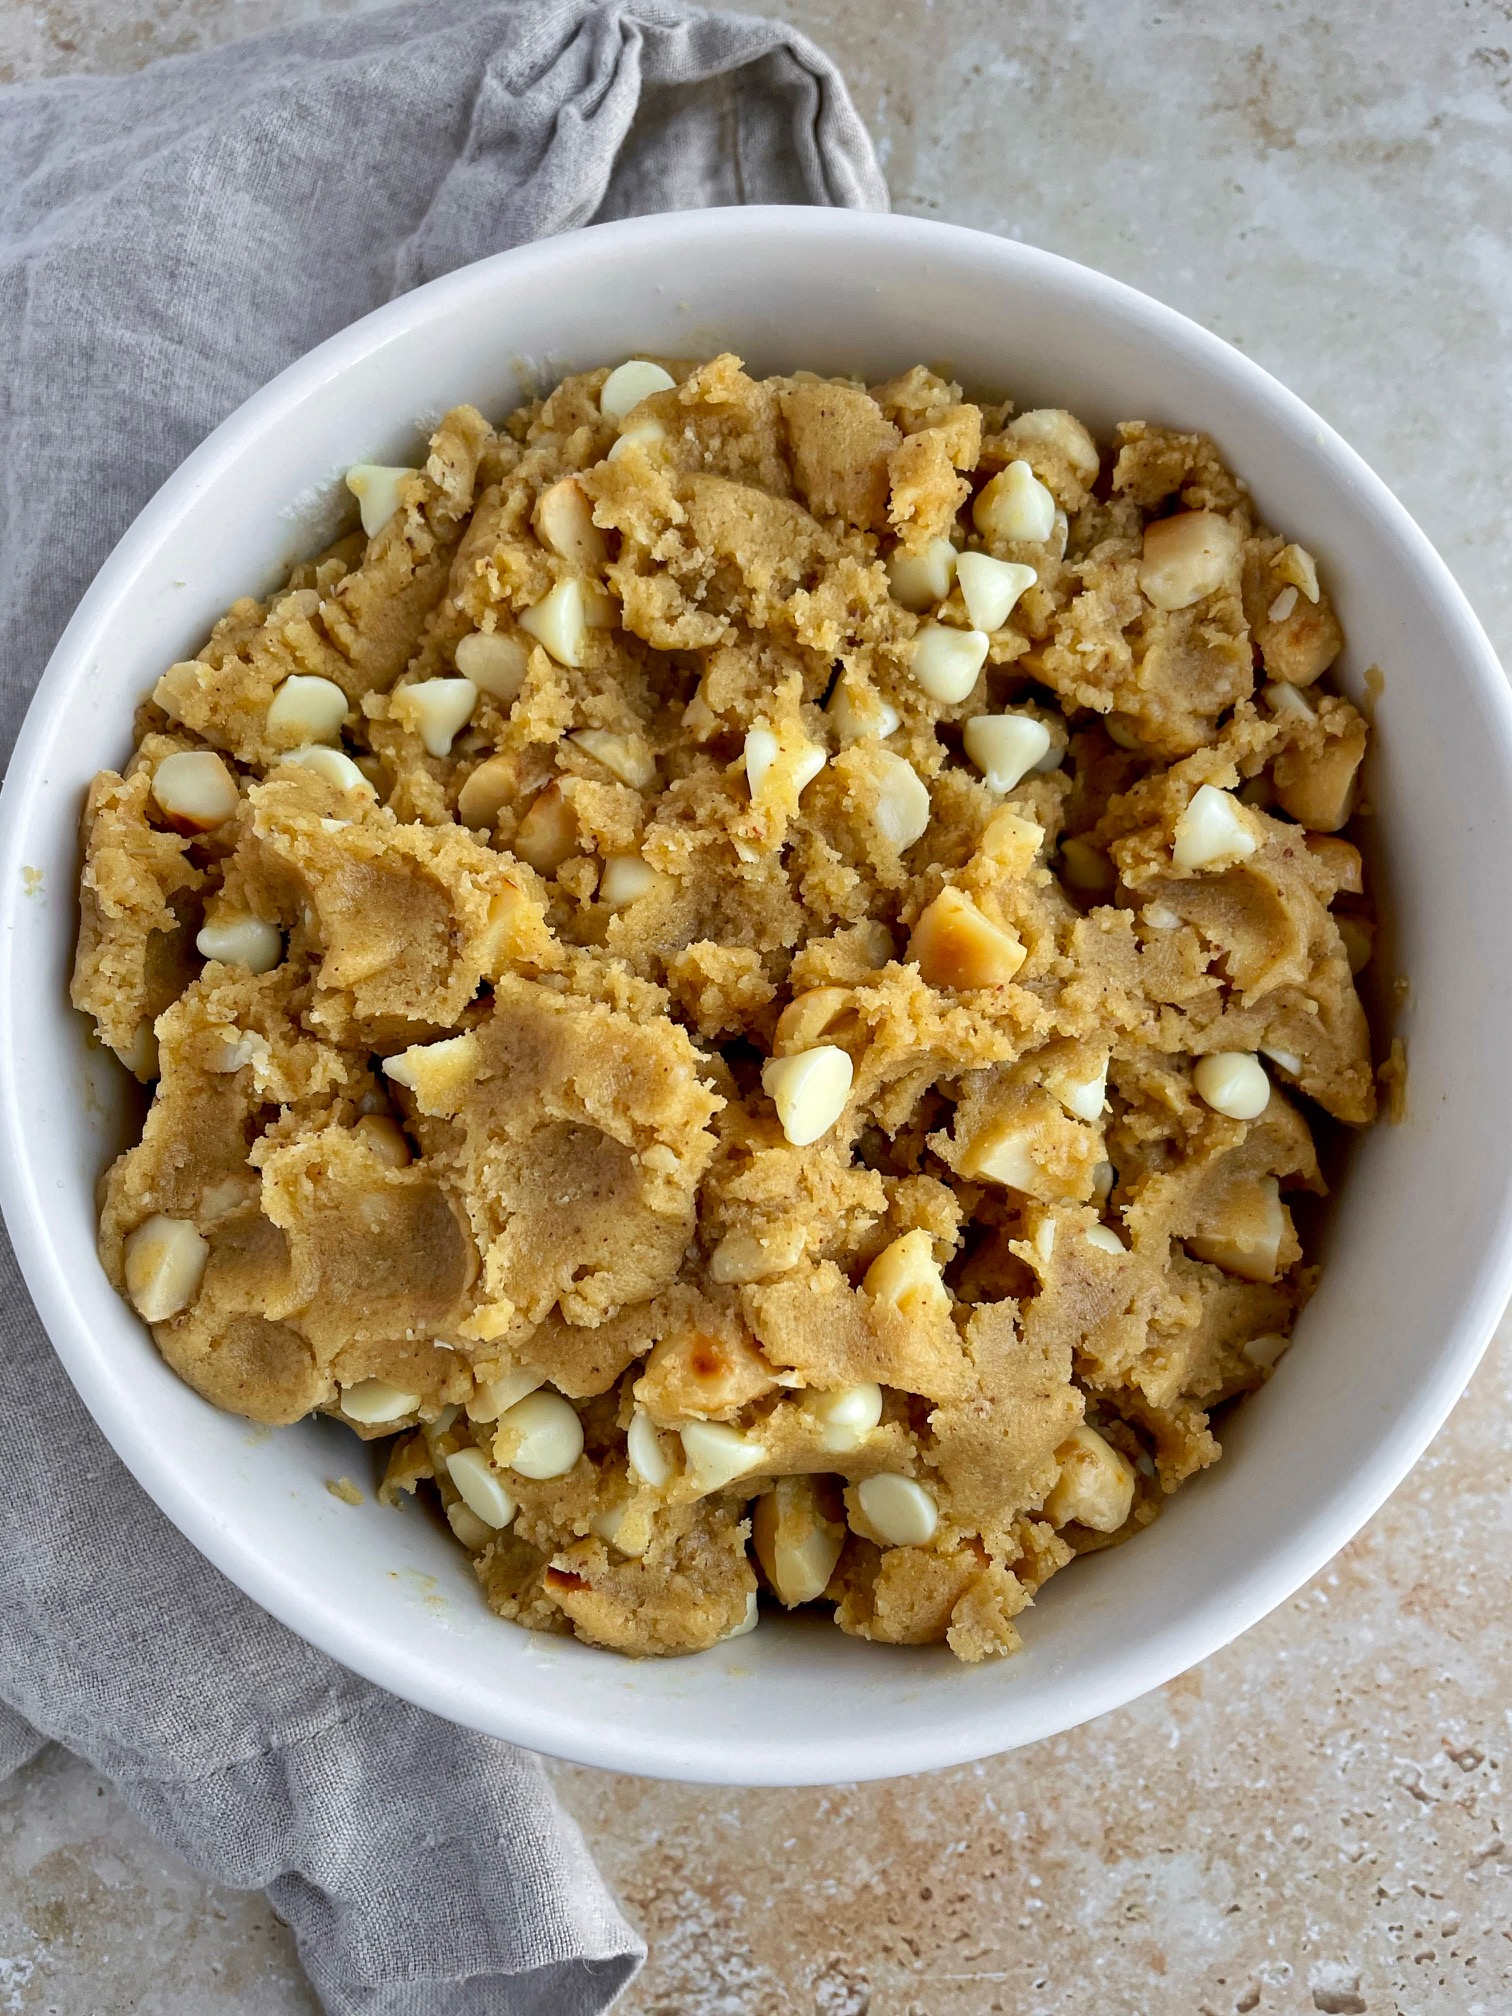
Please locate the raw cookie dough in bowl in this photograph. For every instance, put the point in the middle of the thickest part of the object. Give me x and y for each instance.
(746, 981)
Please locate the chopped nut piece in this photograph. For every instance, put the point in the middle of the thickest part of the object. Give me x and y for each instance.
(628, 384)
(1187, 557)
(756, 1256)
(946, 662)
(1095, 1487)
(1063, 431)
(1015, 507)
(494, 664)
(623, 756)
(1245, 1239)
(1087, 868)
(165, 1263)
(954, 945)
(900, 1512)
(487, 791)
(626, 878)
(194, 790)
(564, 522)
(1232, 1083)
(906, 1275)
(548, 833)
(645, 434)
(385, 1139)
(797, 1546)
(809, 1090)
(1106, 1240)
(468, 1527)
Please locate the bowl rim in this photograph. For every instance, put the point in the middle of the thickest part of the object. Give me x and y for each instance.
(545, 1726)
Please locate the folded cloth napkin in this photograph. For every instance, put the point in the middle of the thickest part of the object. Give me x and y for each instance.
(169, 241)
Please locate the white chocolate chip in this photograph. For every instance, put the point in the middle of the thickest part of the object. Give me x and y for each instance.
(858, 714)
(1283, 605)
(919, 580)
(437, 710)
(564, 523)
(164, 1262)
(902, 805)
(1105, 1239)
(748, 1622)
(482, 1491)
(376, 1402)
(1211, 832)
(623, 756)
(628, 384)
(468, 1527)
(809, 1090)
(194, 790)
(1015, 506)
(945, 662)
(560, 621)
(496, 1396)
(990, 588)
(845, 1415)
(307, 709)
(242, 941)
(333, 765)
(494, 664)
(901, 1512)
(1284, 1060)
(540, 1436)
(648, 1460)
(1284, 699)
(645, 433)
(626, 878)
(1262, 1352)
(375, 485)
(1095, 1487)
(1005, 747)
(1233, 1083)
(1044, 1241)
(717, 1455)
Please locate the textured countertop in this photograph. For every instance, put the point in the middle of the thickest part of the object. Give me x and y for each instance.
(1313, 1820)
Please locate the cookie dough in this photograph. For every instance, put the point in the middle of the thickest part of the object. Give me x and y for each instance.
(746, 977)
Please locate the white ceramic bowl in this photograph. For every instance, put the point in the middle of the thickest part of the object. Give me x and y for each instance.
(1417, 1245)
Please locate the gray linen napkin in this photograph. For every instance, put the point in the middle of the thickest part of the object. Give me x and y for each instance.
(169, 241)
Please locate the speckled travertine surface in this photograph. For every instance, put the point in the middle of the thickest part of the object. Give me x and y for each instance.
(1313, 1820)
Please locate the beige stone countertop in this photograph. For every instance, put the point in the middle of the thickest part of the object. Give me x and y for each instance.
(1314, 1819)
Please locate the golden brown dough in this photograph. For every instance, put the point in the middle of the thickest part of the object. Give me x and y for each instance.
(806, 947)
